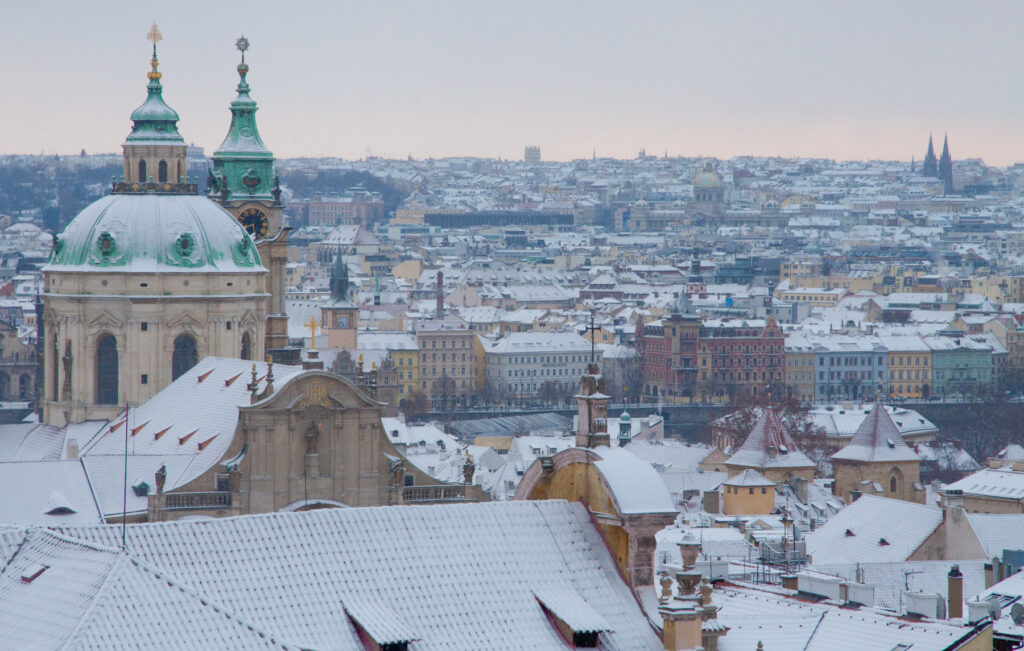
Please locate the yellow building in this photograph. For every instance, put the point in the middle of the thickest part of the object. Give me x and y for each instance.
(910, 366)
(748, 493)
(800, 368)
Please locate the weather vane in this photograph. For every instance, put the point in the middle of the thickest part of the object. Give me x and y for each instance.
(242, 44)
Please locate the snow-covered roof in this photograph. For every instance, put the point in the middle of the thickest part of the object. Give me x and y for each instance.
(988, 482)
(998, 531)
(634, 484)
(749, 477)
(769, 445)
(780, 622)
(877, 440)
(455, 576)
(195, 415)
(47, 493)
(873, 530)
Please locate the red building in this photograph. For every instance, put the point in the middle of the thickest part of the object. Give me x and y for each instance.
(684, 359)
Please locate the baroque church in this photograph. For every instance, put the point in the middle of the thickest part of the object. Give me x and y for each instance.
(162, 314)
(150, 279)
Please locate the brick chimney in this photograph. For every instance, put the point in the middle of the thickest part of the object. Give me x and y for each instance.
(956, 592)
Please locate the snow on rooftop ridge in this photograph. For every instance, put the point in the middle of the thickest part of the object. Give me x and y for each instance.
(634, 483)
(769, 445)
(877, 439)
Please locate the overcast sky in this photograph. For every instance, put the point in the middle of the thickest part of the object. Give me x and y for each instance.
(846, 80)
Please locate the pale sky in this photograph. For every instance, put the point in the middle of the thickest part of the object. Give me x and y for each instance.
(845, 80)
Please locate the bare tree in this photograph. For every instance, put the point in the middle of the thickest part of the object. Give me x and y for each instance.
(416, 405)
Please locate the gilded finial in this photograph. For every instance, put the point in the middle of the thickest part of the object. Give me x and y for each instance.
(242, 44)
(154, 35)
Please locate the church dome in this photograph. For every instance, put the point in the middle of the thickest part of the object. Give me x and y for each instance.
(154, 232)
(707, 178)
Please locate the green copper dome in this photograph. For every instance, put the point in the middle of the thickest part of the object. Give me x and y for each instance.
(154, 233)
(155, 121)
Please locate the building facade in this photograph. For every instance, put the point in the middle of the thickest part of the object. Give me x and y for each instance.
(145, 282)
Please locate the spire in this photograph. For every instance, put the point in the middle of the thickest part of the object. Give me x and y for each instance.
(769, 445)
(243, 164)
(946, 167)
(339, 279)
(930, 167)
(154, 122)
(877, 439)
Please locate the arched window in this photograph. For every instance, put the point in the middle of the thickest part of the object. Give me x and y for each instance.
(142, 171)
(184, 357)
(161, 171)
(246, 346)
(106, 370)
(24, 387)
(892, 484)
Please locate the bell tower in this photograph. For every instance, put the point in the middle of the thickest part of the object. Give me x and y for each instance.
(244, 183)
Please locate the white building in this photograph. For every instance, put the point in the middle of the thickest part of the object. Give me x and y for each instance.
(519, 364)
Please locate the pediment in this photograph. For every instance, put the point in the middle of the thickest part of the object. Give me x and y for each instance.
(105, 321)
(317, 388)
(186, 321)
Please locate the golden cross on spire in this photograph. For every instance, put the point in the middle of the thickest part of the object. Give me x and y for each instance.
(242, 45)
(154, 35)
(312, 325)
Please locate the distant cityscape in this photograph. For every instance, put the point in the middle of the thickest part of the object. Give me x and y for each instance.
(397, 405)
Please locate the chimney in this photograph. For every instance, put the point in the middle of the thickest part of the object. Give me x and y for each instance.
(789, 581)
(440, 294)
(956, 592)
(72, 449)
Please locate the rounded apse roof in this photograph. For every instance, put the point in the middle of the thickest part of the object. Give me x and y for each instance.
(154, 232)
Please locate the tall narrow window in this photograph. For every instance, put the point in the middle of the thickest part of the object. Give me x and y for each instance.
(184, 357)
(24, 387)
(246, 346)
(181, 172)
(106, 370)
(5, 386)
(142, 171)
(161, 171)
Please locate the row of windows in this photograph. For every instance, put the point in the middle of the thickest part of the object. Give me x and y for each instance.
(464, 343)
(544, 359)
(544, 372)
(444, 357)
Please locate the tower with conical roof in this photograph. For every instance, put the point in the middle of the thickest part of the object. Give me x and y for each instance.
(946, 167)
(243, 182)
(770, 450)
(877, 461)
(339, 317)
(931, 164)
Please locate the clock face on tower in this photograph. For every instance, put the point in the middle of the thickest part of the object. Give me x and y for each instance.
(254, 221)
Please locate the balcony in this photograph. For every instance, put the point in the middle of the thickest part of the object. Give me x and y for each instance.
(195, 501)
(434, 494)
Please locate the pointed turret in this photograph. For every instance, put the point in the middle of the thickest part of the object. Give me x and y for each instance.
(154, 152)
(931, 164)
(877, 461)
(877, 439)
(771, 450)
(946, 167)
(243, 167)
